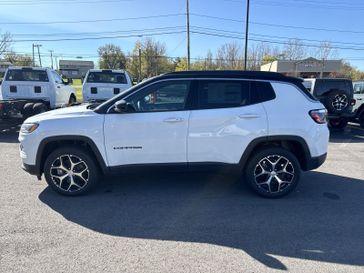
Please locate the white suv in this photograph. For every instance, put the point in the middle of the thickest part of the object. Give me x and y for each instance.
(101, 85)
(262, 124)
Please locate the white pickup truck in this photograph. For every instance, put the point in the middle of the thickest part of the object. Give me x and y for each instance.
(103, 84)
(33, 90)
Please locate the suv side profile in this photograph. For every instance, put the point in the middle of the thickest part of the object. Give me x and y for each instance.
(337, 96)
(262, 124)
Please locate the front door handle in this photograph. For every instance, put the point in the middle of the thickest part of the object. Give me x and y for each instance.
(249, 116)
(359, 99)
(173, 120)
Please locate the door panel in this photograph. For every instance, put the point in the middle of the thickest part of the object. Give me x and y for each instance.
(141, 138)
(156, 132)
(221, 135)
(225, 122)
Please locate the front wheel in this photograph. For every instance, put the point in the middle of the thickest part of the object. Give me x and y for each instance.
(273, 172)
(71, 171)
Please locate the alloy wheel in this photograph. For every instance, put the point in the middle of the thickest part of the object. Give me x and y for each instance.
(340, 102)
(274, 173)
(69, 173)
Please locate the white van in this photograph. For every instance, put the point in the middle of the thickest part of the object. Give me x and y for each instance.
(102, 84)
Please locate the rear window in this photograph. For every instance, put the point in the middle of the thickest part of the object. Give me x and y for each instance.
(106, 77)
(27, 75)
(322, 86)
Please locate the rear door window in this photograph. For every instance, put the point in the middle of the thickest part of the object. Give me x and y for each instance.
(106, 77)
(223, 94)
(27, 75)
(359, 88)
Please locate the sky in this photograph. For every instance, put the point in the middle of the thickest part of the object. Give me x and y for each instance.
(339, 22)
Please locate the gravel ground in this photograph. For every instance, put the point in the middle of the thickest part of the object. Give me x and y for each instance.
(201, 222)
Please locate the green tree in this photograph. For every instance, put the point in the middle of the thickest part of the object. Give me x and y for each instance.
(111, 57)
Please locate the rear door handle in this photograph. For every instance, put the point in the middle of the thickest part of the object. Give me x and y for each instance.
(249, 116)
(359, 99)
(173, 120)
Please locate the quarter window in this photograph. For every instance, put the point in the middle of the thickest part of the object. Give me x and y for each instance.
(166, 96)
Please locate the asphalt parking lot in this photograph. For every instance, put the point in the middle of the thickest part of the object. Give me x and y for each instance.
(192, 222)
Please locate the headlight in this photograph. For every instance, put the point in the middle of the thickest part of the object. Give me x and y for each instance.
(28, 128)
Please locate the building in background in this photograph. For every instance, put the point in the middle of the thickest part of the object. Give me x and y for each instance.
(307, 68)
(75, 69)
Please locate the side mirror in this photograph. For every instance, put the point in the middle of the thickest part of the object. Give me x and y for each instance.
(121, 106)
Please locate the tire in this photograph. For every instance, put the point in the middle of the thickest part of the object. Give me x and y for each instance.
(39, 108)
(27, 109)
(338, 124)
(337, 101)
(66, 180)
(361, 120)
(267, 184)
(72, 100)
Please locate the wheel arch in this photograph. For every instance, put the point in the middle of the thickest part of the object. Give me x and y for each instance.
(49, 144)
(295, 144)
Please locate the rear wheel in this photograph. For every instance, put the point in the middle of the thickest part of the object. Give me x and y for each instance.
(39, 108)
(27, 109)
(72, 100)
(71, 171)
(273, 172)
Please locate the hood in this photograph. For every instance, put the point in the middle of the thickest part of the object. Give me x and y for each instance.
(67, 112)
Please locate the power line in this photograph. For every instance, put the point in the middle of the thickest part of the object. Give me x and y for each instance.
(276, 25)
(97, 33)
(58, 2)
(94, 20)
(100, 38)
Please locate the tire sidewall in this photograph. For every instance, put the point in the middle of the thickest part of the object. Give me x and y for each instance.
(259, 155)
(81, 153)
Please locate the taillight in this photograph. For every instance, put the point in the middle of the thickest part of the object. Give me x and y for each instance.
(352, 102)
(319, 115)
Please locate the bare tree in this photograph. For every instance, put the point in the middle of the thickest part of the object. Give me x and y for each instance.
(294, 50)
(5, 43)
(325, 51)
(229, 56)
(18, 59)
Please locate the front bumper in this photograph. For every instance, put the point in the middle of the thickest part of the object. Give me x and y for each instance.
(32, 169)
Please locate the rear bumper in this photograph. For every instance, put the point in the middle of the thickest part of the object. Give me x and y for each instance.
(315, 162)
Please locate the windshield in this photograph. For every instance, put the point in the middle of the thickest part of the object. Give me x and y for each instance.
(27, 75)
(106, 77)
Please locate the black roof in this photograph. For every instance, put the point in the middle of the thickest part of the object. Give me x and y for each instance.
(241, 74)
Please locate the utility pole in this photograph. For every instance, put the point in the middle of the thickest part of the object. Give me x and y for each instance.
(140, 64)
(33, 54)
(246, 34)
(51, 51)
(40, 60)
(188, 34)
